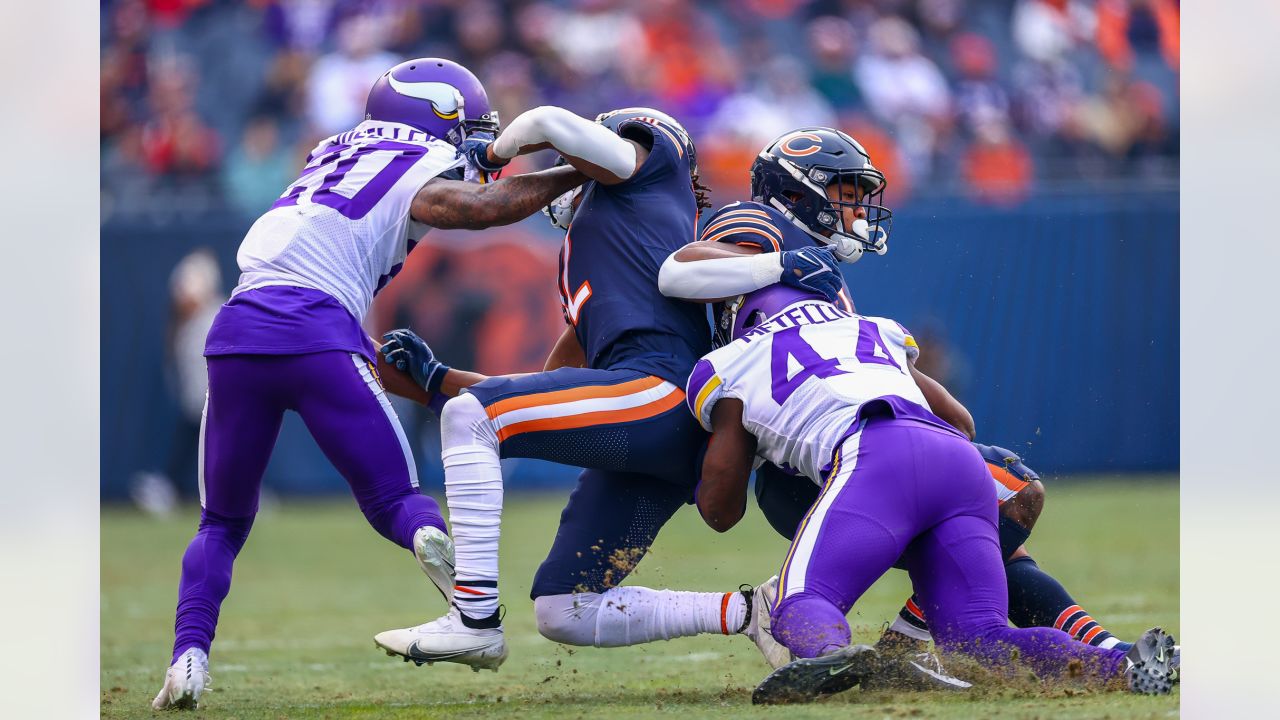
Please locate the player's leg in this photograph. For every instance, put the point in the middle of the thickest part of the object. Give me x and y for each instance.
(605, 419)
(607, 526)
(354, 424)
(957, 570)
(849, 538)
(241, 421)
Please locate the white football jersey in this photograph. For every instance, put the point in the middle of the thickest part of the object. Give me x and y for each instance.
(802, 375)
(343, 227)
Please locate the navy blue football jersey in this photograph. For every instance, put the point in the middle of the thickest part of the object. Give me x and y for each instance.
(758, 225)
(619, 238)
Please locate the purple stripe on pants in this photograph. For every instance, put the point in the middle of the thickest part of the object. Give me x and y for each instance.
(347, 413)
(904, 488)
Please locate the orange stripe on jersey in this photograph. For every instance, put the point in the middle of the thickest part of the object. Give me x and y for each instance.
(589, 392)
(737, 231)
(724, 612)
(743, 217)
(1065, 615)
(1092, 634)
(468, 590)
(1006, 478)
(599, 417)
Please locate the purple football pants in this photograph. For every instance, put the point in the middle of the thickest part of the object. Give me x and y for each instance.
(904, 488)
(343, 405)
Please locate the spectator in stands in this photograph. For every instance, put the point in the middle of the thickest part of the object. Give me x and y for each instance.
(905, 90)
(997, 169)
(340, 81)
(195, 288)
(1047, 30)
(834, 45)
(980, 97)
(175, 141)
(1129, 27)
(258, 169)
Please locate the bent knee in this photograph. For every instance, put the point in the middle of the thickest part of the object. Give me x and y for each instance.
(1025, 507)
(569, 619)
(463, 421)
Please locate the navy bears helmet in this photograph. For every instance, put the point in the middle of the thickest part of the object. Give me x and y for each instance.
(793, 173)
(620, 120)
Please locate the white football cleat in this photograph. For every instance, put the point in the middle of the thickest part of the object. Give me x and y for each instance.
(447, 639)
(184, 681)
(434, 551)
(758, 625)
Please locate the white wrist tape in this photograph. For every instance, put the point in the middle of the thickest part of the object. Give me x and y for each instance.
(569, 134)
(719, 277)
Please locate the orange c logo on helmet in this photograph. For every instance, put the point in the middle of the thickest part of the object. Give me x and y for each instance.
(788, 149)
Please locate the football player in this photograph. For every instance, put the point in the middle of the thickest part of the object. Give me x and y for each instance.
(290, 336)
(811, 386)
(818, 186)
(610, 401)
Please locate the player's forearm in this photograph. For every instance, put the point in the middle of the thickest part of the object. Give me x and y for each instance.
(943, 404)
(574, 137)
(567, 352)
(715, 278)
(450, 204)
(455, 381)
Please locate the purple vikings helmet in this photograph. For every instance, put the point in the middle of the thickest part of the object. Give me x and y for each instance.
(437, 96)
(741, 314)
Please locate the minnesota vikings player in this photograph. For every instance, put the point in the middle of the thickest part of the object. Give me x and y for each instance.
(610, 402)
(818, 185)
(290, 336)
(805, 384)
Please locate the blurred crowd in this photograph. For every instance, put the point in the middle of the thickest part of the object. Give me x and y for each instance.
(220, 99)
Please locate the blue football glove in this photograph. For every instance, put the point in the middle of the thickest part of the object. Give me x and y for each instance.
(476, 149)
(813, 269)
(411, 354)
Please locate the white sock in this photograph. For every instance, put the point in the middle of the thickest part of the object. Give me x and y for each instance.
(473, 491)
(632, 615)
(902, 626)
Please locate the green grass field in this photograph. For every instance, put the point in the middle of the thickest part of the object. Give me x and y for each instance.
(314, 584)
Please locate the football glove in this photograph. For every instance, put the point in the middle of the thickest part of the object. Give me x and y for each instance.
(476, 150)
(813, 269)
(410, 353)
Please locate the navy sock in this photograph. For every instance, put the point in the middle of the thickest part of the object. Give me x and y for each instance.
(1036, 599)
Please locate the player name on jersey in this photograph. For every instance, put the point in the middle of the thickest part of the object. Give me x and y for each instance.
(803, 314)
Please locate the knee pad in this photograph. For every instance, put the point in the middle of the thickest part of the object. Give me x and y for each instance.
(463, 421)
(569, 619)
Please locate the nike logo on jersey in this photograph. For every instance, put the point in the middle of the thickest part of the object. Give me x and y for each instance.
(445, 99)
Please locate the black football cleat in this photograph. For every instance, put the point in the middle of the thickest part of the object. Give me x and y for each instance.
(912, 671)
(808, 679)
(1154, 662)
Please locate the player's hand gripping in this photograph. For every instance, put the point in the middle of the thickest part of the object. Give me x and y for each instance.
(476, 148)
(813, 269)
(411, 354)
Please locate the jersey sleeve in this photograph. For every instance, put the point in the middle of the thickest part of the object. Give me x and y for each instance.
(666, 152)
(704, 388)
(743, 224)
(909, 343)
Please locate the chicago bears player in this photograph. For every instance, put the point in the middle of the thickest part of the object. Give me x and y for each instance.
(836, 396)
(290, 336)
(609, 401)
